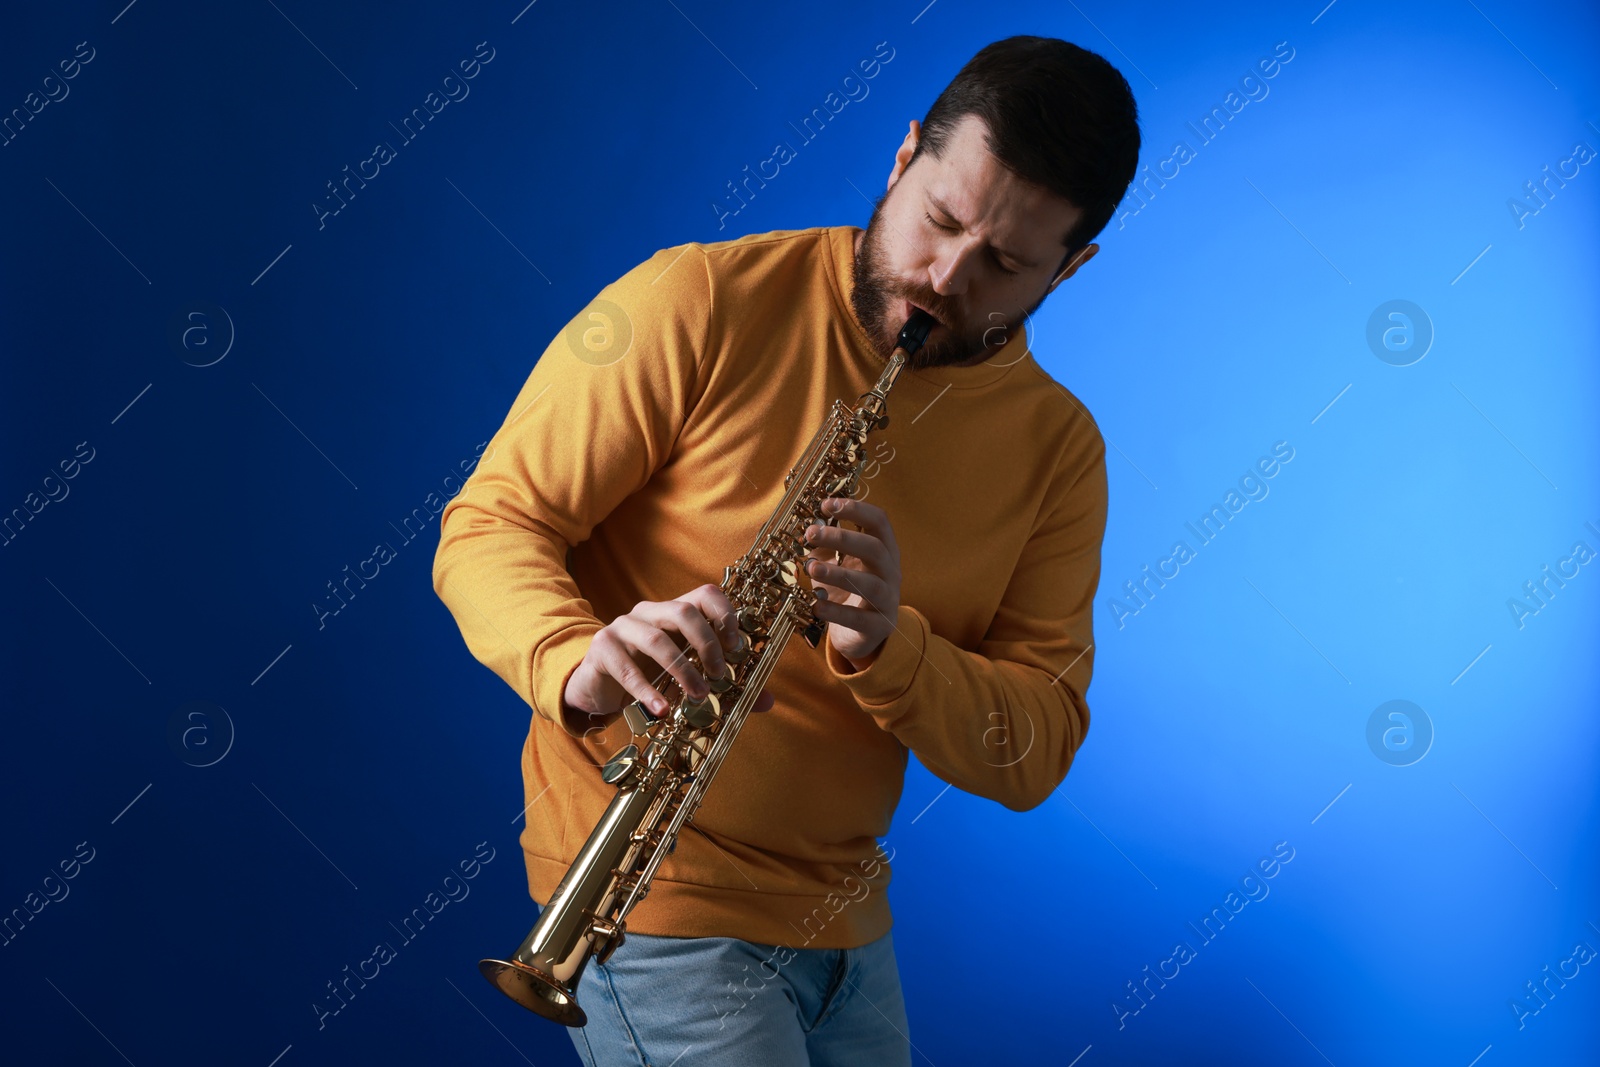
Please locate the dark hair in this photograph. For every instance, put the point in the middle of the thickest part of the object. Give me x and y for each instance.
(1057, 115)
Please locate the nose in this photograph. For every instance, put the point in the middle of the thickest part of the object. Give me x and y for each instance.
(951, 268)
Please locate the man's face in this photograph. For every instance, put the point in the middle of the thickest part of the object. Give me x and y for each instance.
(965, 240)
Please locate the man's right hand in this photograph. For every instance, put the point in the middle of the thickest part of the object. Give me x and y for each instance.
(610, 676)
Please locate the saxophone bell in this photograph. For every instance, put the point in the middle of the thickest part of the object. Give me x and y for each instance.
(537, 991)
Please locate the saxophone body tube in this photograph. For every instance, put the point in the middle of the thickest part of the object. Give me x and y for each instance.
(660, 787)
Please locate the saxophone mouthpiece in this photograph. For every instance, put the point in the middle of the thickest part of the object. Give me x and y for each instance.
(915, 331)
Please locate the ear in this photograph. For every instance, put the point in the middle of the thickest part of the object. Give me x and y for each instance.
(1085, 254)
(902, 155)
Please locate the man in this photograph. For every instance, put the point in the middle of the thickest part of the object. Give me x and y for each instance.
(650, 444)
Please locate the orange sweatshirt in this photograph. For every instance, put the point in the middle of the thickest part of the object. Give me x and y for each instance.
(646, 449)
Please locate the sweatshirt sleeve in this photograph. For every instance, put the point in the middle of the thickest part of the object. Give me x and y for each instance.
(1004, 721)
(597, 416)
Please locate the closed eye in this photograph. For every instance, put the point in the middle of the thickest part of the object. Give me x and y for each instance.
(952, 229)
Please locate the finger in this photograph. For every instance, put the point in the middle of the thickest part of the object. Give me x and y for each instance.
(824, 541)
(849, 616)
(722, 620)
(847, 580)
(694, 616)
(644, 635)
(870, 517)
(811, 566)
(615, 660)
(816, 549)
(822, 580)
(863, 546)
(711, 623)
(764, 702)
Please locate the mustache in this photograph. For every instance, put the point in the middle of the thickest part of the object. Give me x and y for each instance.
(935, 306)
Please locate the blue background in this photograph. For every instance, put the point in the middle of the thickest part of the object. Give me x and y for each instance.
(360, 763)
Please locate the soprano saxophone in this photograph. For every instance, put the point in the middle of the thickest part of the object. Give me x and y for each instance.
(662, 776)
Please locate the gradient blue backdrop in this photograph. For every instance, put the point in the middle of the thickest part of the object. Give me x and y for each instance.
(352, 767)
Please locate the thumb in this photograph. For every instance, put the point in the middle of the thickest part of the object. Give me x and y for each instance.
(764, 702)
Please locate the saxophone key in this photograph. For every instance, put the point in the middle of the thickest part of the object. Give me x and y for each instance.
(695, 753)
(813, 633)
(621, 766)
(637, 718)
(701, 713)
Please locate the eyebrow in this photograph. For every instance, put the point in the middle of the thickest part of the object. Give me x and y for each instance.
(1021, 261)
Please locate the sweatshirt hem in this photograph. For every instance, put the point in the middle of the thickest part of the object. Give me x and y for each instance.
(686, 909)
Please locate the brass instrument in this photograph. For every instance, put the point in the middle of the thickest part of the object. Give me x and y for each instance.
(663, 775)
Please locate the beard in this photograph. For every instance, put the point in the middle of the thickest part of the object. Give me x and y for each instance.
(876, 296)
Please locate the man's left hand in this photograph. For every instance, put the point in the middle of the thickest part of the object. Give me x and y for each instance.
(864, 586)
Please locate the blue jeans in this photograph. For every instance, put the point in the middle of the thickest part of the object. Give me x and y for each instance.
(723, 1002)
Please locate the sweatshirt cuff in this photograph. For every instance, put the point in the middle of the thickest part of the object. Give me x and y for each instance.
(890, 675)
(552, 665)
